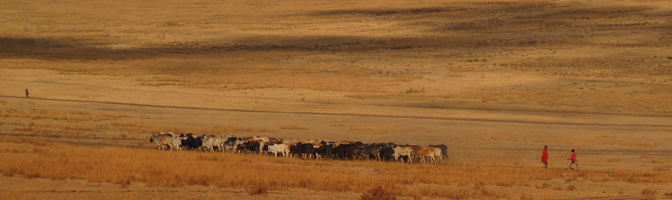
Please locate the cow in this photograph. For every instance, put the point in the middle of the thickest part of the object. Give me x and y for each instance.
(176, 144)
(273, 140)
(278, 148)
(260, 143)
(444, 150)
(189, 141)
(168, 133)
(415, 148)
(375, 150)
(347, 151)
(232, 143)
(328, 143)
(210, 142)
(250, 146)
(162, 140)
(387, 153)
(426, 152)
(265, 139)
(371, 151)
(403, 151)
(324, 151)
(302, 149)
(438, 155)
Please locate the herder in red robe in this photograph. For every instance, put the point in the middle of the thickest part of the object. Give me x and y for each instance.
(574, 161)
(544, 156)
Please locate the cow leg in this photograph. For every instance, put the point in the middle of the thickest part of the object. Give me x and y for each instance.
(261, 148)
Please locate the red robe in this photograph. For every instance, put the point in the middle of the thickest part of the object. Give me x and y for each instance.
(573, 158)
(544, 156)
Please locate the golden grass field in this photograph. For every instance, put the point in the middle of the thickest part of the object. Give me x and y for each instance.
(494, 80)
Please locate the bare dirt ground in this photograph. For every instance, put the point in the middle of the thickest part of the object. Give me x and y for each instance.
(495, 80)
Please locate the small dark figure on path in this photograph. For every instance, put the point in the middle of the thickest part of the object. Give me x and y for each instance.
(27, 92)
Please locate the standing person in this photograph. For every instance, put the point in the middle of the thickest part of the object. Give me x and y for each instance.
(574, 161)
(27, 92)
(544, 156)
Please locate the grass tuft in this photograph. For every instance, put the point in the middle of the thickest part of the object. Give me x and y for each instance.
(648, 192)
(256, 190)
(377, 193)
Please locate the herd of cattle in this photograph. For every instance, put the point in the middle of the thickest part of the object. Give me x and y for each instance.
(312, 149)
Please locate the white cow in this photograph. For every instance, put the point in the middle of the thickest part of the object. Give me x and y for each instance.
(210, 142)
(438, 154)
(176, 144)
(278, 148)
(403, 151)
(168, 133)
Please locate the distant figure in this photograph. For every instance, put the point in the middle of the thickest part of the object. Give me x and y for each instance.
(27, 92)
(574, 161)
(544, 156)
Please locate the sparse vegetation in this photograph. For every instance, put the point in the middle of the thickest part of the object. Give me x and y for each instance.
(526, 197)
(123, 166)
(256, 190)
(293, 127)
(668, 195)
(377, 193)
(411, 91)
(648, 192)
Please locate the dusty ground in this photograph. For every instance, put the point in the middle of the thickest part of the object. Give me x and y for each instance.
(495, 80)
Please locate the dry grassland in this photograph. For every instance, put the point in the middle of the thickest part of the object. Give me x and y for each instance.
(495, 80)
(48, 160)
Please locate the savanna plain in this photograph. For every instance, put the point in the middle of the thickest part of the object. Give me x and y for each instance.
(494, 80)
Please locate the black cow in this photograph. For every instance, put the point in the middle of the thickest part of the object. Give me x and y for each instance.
(370, 152)
(250, 146)
(387, 154)
(190, 141)
(302, 149)
(373, 151)
(348, 151)
(325, 151)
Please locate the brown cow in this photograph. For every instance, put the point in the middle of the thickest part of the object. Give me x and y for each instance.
(162, 140)
(425, 152)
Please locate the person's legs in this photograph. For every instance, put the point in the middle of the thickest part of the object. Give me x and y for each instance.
(570, 165)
